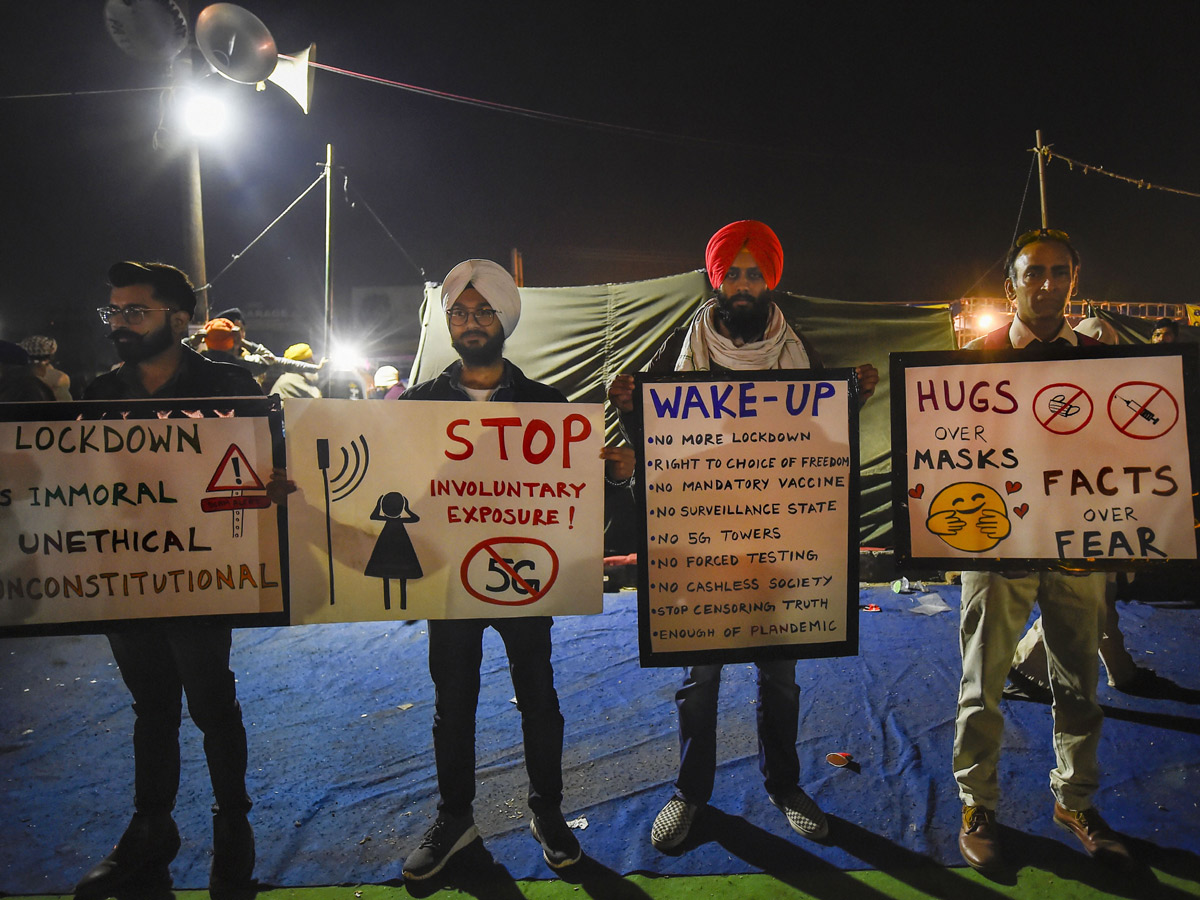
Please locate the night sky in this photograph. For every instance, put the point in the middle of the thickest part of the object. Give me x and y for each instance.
(886, 144)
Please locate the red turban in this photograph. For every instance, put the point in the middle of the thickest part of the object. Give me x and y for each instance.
(755, 237)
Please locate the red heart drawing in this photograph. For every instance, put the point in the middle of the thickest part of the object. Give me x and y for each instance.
(1012, 486)
(1021, 510)
(916, 492)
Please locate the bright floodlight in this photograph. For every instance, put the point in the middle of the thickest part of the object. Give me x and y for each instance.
(204, 115)
(986, 321)
(347, 357)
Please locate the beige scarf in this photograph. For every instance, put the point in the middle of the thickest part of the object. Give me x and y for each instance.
(780, 348)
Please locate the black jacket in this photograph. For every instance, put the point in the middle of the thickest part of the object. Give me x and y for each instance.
(197, 377)
(514, 386)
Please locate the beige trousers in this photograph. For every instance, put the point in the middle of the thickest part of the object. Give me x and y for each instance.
(1030, 658)
(995, 609)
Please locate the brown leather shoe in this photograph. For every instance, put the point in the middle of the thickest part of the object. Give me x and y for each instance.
(978, 840)
(1093, 832)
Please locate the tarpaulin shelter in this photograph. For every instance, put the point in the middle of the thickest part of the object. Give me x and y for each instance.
(578, 338)
(1135, 330)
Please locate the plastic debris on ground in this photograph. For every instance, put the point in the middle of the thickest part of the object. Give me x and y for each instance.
(929, 604)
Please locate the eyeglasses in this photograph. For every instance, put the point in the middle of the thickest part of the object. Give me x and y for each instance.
(133, 315)
(458, 316)
(1041, 234)
(733, 273)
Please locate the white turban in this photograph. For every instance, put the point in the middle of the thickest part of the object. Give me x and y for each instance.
(493, 282)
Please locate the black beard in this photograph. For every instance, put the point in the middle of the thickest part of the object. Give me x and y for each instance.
(142, 347)
(745, 324)
(484, 355)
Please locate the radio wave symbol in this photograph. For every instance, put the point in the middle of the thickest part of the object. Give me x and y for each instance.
(355, 462)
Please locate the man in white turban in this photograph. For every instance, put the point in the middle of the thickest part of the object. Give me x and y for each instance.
(483, 306)
(493, 282)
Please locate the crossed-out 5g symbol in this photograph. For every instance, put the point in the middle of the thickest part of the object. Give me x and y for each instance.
(509, 571)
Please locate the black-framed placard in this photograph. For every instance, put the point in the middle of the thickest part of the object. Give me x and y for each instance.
(114, 513)
(1067, 459)
(748, 490)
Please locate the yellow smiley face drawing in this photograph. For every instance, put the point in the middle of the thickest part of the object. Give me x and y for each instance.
(969, 516)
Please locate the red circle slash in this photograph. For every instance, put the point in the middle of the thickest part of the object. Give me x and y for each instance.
(530, 589)
(1131, 412)
(1060, 407)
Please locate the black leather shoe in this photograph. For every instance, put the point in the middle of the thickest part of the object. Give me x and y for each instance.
(141, 858)
(233, 852)
(978, 840)
(1022, 687)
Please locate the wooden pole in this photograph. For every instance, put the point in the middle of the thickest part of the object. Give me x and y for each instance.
(518, 267)
(1042, 178)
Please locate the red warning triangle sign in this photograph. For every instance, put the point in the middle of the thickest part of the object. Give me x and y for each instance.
(234, 473)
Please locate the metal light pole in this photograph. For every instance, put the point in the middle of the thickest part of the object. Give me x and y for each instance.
(193, 203)
(328, 246)
(193, 227)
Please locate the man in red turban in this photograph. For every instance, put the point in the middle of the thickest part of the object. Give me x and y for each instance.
(739, 328)
(750, 235)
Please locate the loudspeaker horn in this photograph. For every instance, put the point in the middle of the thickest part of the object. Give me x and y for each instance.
(295, 75)
(149, 30)
(236, 43)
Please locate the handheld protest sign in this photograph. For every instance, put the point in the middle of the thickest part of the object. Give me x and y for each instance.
(444, 510)
(748, 490)
(1079, 460)
(122, 512)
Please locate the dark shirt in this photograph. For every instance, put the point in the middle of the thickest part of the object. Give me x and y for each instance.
(195, 377)
(19, 384)
(514, 386)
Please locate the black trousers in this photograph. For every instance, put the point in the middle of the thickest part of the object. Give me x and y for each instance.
(455, 653)
(159, 663)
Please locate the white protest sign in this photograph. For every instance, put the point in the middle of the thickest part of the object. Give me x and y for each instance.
(158, 515)
(443, 510)
(1084, 459)
(750, 494)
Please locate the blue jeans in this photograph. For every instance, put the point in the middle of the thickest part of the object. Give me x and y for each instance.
(455, 653)
(778, 721)
(158, 663)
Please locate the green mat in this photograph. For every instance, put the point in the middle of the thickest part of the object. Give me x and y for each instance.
(1082, 881)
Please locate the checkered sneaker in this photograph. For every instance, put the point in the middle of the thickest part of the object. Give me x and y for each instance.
(802, 813)
(672, 824)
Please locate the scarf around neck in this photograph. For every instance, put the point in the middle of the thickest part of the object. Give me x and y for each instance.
(703, 345)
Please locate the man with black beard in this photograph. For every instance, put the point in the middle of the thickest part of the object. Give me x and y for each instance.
(739, 328)
(482, 306)
(148, 311)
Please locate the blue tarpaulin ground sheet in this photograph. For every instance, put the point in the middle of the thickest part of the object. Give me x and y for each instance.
(342, 775)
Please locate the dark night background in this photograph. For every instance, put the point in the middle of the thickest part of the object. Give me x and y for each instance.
(886, 144)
